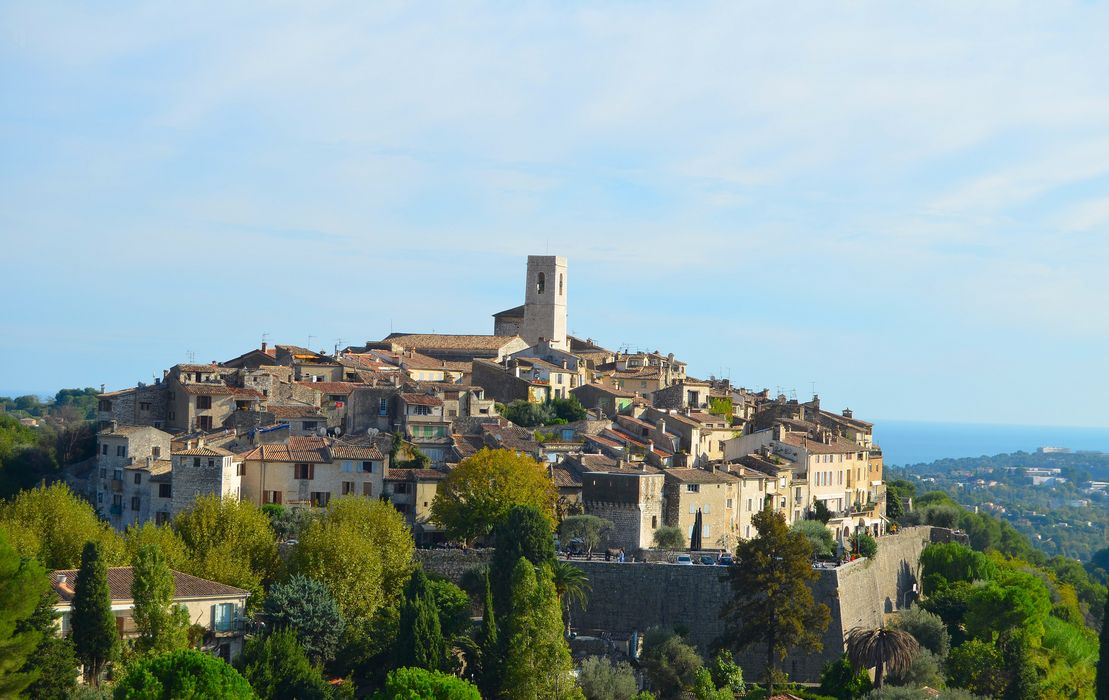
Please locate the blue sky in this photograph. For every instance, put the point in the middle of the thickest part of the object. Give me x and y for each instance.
(905, 205)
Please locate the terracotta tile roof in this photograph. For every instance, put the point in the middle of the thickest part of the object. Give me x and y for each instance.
(838, 446)
(342, 450)
(414, 360)
(417, 341)
(700, 476)
(421, 400)
(564, 477)
(205, 451)
(119, 585)
(221, 390)
(703, 417)
(298, 449)
(200, 368)
(344, 388)
(157, 466)
(466, 445)
(293, 411)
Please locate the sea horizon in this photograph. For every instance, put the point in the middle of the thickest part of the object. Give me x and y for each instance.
(915, 442)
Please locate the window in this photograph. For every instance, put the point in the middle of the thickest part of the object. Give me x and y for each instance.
(692, 488)
(368, 467)
(121, 451)
(707, 509)
(223, 617)
(144, 406)
(155, 452)
(309, 425)
(320, 499)
(367, 489)
(204, 422)
(560, 284)
(172, 415)
(134, 502)
(103, 472)
(117, 500)
(748, 505)
(104, 450)
(165, 491)
(196, 461)
(303, 471)
(400, 487)
(272, 497)
(540, 283)
(729, 503)
(348, 488)
(421, 410)
(138, 478)
(382, 407)
(348, 466)
(99, 496)
(654, 522)
(117, 474)
(203, 402)
(161, 518)
(105, 405)
(240, 468)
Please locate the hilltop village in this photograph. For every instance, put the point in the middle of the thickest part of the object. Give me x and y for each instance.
(654, 446)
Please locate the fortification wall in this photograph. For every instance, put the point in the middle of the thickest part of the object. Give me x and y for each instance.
(636, 596)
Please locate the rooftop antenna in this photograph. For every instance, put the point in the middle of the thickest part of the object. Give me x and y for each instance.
(338, 342)
(813, 386)
(265, 337)
(192, 356)
(310, 342)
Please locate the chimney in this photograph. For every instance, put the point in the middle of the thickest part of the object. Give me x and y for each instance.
(112, 426)
(264, 346)
(662, 426)
(149, 462)
(650, 446)
(61, 579)
(565, 364)
(847, 413)
(620, 463)
(101, 388)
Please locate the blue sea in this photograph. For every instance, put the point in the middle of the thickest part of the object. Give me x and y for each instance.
(910, 442)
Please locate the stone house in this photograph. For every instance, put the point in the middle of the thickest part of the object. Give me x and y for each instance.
(509, 382)
(701, 435)
(460, 348)
(254, 358)
(310, 366)
(302, 419)
(310, 471)
(604, 398)
(686, 394)
(713, 492)
(630, 496)
(123, 453)
(411, 491)
(203, 470)
(219, 608)
(424, 425)
(145, 404)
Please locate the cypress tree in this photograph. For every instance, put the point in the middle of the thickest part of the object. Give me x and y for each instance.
(95, 638)
(21, 584)
(526, 533)
(491, 652)
(420, 643)
(1103, 659)
(537, 661)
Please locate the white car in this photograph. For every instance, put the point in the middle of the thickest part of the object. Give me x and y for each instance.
(684, 560)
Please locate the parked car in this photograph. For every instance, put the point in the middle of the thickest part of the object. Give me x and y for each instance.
(684, 559)
(725, 560)
(707, 560)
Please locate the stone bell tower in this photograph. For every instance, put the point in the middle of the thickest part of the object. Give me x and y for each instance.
(545, 301)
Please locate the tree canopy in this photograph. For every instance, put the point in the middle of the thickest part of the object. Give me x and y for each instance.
(421, 684)
(537, 660)
(276, 667)
(590, 529)
(22, 583)
(52, 525)
(480, 491)
(185, 673)
(161, 625)
(306, 608)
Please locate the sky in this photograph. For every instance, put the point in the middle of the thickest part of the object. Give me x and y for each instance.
(903, 206)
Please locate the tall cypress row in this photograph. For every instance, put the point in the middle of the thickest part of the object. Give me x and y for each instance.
(95, 638)
(491, 652)
(420, 643)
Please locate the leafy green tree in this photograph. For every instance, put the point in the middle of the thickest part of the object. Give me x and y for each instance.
(726, 673)
(567, 410)
(162, 536)
(537, 659)
(420, 643)
(772, 602)
(671, 665)
(571, 585)
(881, 649)
(705, 689)
(925, 669)
(480, 491)
(185, 673)
(978, 667)
(818, 535)
(52, 525)
(995, 609)
(276, 667)
(1022, 680)
(453, 605)
(601, 679)
(22, 583)
(927, 628)
(527, 414)
(1103, 658)
(590, 529)
(421, 684)
(95, 638)
(161, 625)
(820, 512)
(52, 661)
(362, 550)
(843, 680)
(950, 562)
(668, 537)
(288, 523)
(229, 541)
(721, 406)
(305, 607)
(524, 532)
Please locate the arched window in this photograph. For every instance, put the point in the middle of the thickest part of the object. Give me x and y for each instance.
(560, 284)
(540, 283)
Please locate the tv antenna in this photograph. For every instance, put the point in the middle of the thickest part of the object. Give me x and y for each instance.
(310, 342)
(191, 355)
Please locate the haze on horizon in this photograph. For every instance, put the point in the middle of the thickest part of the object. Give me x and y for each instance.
(905, 205)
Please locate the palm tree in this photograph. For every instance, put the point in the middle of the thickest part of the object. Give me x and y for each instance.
(572, 586)
(881, 648)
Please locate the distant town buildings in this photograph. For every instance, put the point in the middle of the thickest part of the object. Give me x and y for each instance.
(390, 418)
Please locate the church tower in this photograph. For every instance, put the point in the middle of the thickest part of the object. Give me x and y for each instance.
(545, 301)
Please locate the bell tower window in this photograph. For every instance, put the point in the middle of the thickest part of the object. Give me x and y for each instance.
(540, 283)
(560, 284)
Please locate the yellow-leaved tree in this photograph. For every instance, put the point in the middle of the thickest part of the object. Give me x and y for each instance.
(52, 525)
(484, 487)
